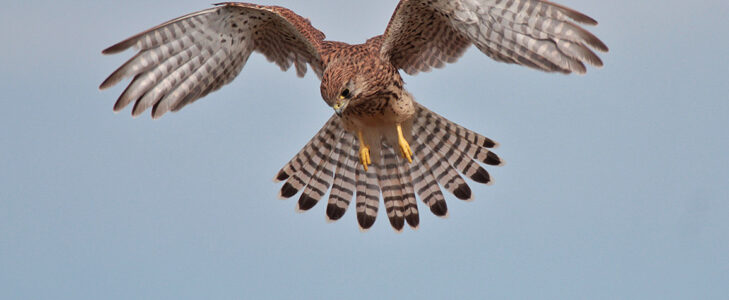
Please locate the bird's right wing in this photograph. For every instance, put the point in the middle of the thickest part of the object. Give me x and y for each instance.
(184, 59)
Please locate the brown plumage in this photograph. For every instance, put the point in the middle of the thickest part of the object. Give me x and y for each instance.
(380, 143)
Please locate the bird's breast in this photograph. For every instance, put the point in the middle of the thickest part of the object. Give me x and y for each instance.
(386, 110)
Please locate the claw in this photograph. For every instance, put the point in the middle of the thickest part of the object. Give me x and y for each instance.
(405, 150)
(364, 152)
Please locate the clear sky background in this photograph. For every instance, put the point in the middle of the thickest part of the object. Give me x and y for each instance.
(616, 186)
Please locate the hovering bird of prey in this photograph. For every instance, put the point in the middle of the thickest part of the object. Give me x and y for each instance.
(379, 141)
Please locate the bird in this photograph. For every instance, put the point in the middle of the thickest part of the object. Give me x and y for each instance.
(379, 142)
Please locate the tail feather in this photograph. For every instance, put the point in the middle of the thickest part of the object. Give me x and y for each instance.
(427, 116)
(321, 180)
(392, 191)
(410, 204)
(306, 163)
(367, 197)
(442, 151)
(471, 147)
(446, 175)
(461, 161)
(303, 157)
(344, 180)
(426, 185)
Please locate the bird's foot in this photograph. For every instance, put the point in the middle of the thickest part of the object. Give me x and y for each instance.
(405, 150)
(364, 152)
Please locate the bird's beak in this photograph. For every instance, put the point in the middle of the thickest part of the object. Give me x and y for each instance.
(339, 106)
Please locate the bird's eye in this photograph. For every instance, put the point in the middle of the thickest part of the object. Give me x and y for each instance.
(345, 94)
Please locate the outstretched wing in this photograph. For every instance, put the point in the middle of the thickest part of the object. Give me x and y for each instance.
(425, 34)
(184, 59)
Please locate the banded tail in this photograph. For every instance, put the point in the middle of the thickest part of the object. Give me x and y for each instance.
(443, 151)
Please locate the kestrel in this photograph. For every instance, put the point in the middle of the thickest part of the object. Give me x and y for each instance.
(380, 141)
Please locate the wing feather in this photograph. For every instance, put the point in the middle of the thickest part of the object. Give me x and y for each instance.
(186, 58)
(425, 34)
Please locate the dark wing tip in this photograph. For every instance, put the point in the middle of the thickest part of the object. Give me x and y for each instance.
(575, 15)
(582, 18)
(592, 39)
(118, 106)
(110, 81)
(156, 113)
(599, 45)
(119, 47)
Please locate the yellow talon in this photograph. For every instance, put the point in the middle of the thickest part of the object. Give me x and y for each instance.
(404, 146)
(364, 152)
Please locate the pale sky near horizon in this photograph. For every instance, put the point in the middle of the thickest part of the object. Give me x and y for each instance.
(616, 184)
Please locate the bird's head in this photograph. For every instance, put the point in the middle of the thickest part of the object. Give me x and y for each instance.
(346, 83)
(340, 87)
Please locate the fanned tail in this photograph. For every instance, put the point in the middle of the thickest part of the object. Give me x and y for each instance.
(442, 150)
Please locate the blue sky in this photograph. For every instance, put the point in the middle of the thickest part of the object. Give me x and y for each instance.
(616, 187)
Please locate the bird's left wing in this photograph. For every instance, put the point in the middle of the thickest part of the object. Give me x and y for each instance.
(424, 34)
(184, 59)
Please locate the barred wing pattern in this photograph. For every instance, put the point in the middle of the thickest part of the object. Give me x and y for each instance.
(443, 151)
(184, 59)
(424, 34)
